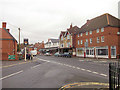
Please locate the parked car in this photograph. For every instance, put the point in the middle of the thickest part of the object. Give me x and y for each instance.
(33, 52)
(57, 54)
(67, 54)
(47, 54)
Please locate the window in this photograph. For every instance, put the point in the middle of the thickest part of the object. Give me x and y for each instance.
(90, 32)
(78, 42)
(102, 51)
(81, 34)
(102, 39)
(90, 40)
(61, 45)
(102, 29)
(98, 40)
(113, 51)
(68, 37)
(62, 38)
(86, 33)
(68, 44)
(81, 42)
(78, 35)
(86, 40)
(97, 30)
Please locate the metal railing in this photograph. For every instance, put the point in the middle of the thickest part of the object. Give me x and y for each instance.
(114, 76)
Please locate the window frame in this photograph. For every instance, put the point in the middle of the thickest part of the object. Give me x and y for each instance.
(97, 30)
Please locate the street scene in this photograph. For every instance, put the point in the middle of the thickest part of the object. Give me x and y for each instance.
(60, 45)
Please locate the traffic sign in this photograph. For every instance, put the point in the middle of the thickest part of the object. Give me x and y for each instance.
(11, 57)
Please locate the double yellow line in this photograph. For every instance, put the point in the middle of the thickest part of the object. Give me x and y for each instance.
(73, 85)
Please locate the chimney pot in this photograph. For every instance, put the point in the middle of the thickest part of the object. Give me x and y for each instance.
(8, 30)
(4, 25)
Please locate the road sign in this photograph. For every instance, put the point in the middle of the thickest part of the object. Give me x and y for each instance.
(11, 57)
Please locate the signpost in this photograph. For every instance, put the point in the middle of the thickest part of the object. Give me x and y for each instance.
(11, 57)
(25, 43)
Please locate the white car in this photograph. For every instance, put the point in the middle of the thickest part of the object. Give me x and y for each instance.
(47, 54)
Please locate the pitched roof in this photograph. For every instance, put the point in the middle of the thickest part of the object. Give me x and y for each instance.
(54, 40)
(99, 22)
(8, 33)
(73, 29)
(62, 33)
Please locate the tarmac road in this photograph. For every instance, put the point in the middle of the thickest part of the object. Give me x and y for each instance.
(54, 72)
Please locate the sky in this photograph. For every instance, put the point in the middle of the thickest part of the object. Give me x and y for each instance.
(40, 20)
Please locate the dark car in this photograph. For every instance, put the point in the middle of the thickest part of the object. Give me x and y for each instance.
(67, 54)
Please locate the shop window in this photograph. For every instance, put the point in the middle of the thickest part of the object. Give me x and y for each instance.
(113, 50)
(102, 51)
(87, 51)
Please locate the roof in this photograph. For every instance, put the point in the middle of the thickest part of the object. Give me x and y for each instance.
(100, 22)
(9, 33)
(54, 40)
(73, 29)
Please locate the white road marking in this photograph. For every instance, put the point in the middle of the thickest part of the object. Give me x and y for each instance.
(76, 67)
(95, 72)
(88, 71)
(35, 66)
(103, 75)
(83, 69)
(11, 75)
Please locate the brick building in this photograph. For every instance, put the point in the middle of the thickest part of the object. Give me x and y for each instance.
(52, 46)
(39, 46)
(8, 43)
(99, 37)
(67, 40)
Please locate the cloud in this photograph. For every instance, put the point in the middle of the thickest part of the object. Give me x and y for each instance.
(43, 19)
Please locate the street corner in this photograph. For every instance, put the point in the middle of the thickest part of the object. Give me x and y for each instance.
(86, 85)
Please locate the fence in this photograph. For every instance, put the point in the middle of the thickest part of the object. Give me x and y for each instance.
(114, 76)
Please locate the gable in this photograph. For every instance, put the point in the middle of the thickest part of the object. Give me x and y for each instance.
(5, 34)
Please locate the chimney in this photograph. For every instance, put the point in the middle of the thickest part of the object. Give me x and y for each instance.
(71, 25)
(8, 30)
(4, 25)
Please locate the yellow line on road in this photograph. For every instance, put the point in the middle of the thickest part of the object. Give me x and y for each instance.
(83, 84)
(17, 64)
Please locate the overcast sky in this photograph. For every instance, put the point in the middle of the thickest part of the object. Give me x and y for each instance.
(43, 19)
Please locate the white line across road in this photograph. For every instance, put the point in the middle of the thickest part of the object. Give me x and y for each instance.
(11, 75)
(94, 72)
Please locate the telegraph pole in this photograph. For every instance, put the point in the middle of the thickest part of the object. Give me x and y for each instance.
(19, 38)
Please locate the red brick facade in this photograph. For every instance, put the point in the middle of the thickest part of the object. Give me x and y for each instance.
(8, 43)
(107, 39)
